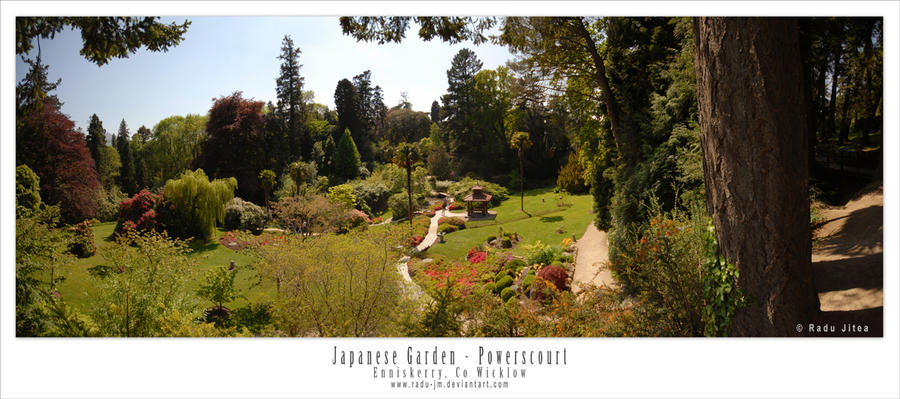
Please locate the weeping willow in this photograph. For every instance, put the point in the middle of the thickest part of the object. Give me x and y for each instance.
(200, 201)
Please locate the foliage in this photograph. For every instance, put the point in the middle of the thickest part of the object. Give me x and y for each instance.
(571, 176)
(393, 29)
(108, 166)
(663, 266)
(540, 253)
(172, 148)
(49, 145)
(218, 286)
(104, 38)
(28, 194)
(96, 139)
(41, 251)
(126, 179)
(555, 275)
(438, 161)
(301, 173)
(309, 214)
(232, 145)
(336, 285)
(200, 203)
(342, 194)
(149, 281)
(406, 125)
(722, 298)
(267, 181)
(462, 188)
(441, 315)
(371, 193)
(244, 215)
(34, 90)
(291, 107)
(346, 160)
(141, 213)
(82, 244)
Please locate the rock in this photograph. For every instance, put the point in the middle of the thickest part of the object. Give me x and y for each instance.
(404, 259)
(427, 260)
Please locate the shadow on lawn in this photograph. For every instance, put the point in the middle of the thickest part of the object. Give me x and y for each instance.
(551, 219)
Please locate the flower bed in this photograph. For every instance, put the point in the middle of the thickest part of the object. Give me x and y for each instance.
(240, 240)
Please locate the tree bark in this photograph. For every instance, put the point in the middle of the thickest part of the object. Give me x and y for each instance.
(755, 165)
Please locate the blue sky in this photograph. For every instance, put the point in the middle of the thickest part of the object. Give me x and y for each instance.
(222, 54)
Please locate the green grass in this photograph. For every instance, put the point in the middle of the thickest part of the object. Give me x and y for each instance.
(79, 286)
(540, 221)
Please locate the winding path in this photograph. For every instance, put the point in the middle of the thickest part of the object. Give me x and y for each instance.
(591, 261)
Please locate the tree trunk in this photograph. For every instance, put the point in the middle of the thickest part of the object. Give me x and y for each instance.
(753, 136)
(522, 180)
(409, 190)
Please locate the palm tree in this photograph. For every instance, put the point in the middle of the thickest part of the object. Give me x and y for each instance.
(521, 142)
(405, 156)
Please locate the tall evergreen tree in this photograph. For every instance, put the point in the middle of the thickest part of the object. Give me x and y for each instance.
(34, 90)
(96, 138)
(126, 173)
(289, 90)
(459, 105)
(435, 112)
(346, 157)
(349, 109)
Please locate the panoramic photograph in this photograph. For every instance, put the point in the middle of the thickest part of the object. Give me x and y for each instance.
(396, 176)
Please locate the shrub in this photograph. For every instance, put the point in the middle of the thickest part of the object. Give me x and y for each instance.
(355, 218)
(414, 241)
(477, 257)
(140, 212)
(108, 203)
(571, 176)
(373, 192)
(661, 264)
(429, 213)
(473, 250)
(343, 195)
(447, 228)
(515, 265)
(554, 274)
(398, 204)
(28, 189)
(309, 214)
(82, 245)
(199, 202)
(527, 281)
(453, 221)
(501, 274)
(438, 206)
(507, 293)
(462, 188)
(489, 287)
(244, 215)
(253, 317)
(504, 282)
(456, 205)
(540, 253)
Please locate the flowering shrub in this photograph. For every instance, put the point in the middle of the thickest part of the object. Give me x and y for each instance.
(357, 218)
(429, 213)
(414, 241)
(540, 253)
(377, 219)
(438, 206)
(477, 257)
(566, 243)
(244, 215)
(456, 205)
(140, 213)
(83, 244)
(463, 276)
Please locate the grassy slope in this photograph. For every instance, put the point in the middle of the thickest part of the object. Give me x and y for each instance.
(541, 222)
(79, 285)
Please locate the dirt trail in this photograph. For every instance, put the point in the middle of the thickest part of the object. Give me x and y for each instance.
(590, 264)
(848, 260)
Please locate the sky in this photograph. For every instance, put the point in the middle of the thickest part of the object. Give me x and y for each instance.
(220, 55)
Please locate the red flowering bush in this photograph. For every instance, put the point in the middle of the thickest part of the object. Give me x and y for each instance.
(415, 241)
(438, 206)
(429, 213)
(476, 255)
(462, 275)
(140, 212)
(456, 205)
(377, 219)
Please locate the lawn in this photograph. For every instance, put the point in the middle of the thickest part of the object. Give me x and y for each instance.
(79, 286)
(541, 220)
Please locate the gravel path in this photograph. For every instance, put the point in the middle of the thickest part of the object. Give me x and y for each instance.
(590, 264)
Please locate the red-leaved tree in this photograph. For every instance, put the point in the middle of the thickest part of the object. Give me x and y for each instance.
(234, 142)
(59, 156)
